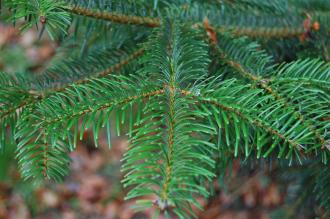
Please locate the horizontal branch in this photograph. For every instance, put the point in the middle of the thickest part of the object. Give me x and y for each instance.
(255, 121)
(319, 84)
(23, 104)
(104, 106)
(264, 84)
(265, 32)
(115, 17)
(40, 96)
(107, 71)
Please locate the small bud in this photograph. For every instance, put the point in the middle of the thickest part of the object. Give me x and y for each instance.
(210, 31)
(42, 19)
(316, 26)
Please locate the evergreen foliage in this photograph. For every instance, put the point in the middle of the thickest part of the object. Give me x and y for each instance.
(192, 80)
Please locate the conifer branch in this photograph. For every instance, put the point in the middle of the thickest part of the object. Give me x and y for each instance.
(171, 90)
(175, 58)
(90, 109)
(245, 116)
(45, 156)
(180, 109)
(122, 62)
(264, 32)
(115, 17)
(37, 96)
(13, 109)
(264, 84)
(313, 83)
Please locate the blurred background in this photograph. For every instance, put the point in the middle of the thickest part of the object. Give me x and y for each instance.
(93, 188)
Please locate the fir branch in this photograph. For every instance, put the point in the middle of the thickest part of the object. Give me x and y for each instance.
(171, 96)
(307, 68)
(175, 59)
(13, 98)
(310, 5)
(278, 7)
(49, 15)
(43, 160)
(263, 32)
(115, 17)
(13, 109)
(313, 83)
(54, 112)
(188, 112)
(253, 31)
(228, 19)
(37, 96)
(10, 113)
(264, 83)
(90, 109)
(64, 72)
(247, 117)
(116, 67)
